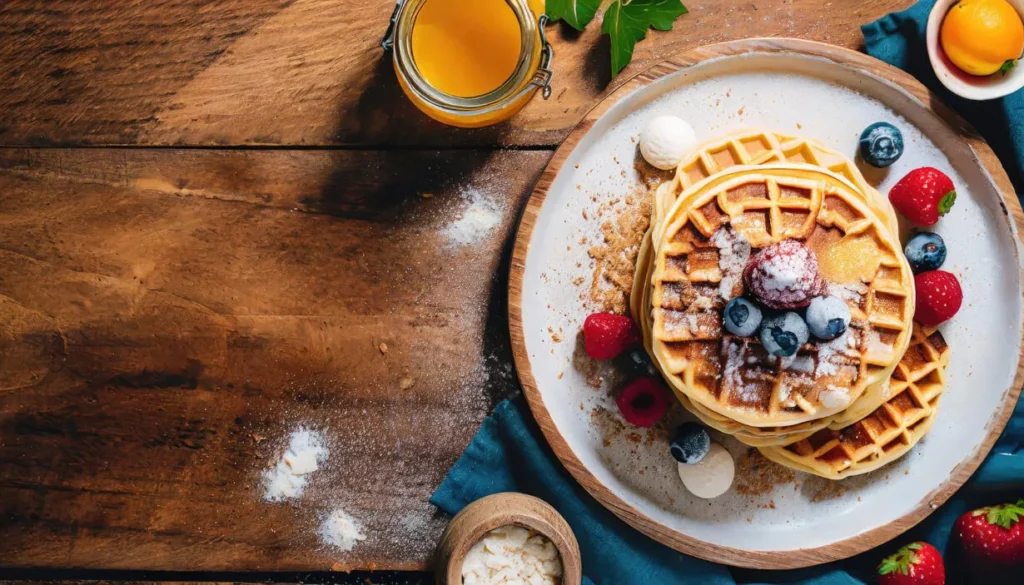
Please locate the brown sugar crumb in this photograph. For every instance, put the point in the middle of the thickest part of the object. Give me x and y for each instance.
(828, 490)
(756, 475)
(559, 376)
(739, 112)
(406, 383)
(556, 336)
(609, 424)
(578, 281)
(615, 257)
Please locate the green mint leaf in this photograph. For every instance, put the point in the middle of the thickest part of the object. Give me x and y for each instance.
(1009, 64)
(577, 13)
(660, 13)
(626, 23)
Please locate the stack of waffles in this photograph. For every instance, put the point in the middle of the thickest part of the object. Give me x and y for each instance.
(836, 408)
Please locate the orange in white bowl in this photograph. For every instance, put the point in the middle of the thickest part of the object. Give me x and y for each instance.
(958, 81)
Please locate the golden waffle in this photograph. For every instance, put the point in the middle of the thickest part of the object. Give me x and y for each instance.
(752, 147)
(734, 377)
(753, 436)
(887, 433)
(757, 147)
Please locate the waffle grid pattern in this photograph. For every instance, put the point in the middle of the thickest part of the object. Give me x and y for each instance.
(891, 430)
(766, 207)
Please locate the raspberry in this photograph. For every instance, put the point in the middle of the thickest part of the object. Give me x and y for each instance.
(938, 297)
(605, 335)
(784, 276)
(642, 402)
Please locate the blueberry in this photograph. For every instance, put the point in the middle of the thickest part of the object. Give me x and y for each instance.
(691, 443)
(881, 144)
(783, 334)
(828, 317)
(741, 317)
(925, 251)
(636, 361)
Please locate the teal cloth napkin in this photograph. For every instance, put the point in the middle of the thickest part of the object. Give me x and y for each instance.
(509, 452)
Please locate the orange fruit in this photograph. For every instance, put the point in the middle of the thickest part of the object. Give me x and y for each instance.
(982, 37)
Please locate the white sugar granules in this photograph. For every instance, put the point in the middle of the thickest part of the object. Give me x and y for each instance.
(851, 292)
(480, 216)
(512, 554)
(831, 354)
(287, 480)
(733, 254)
(341, 530)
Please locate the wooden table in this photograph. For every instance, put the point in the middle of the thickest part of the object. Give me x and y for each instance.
(221, 220)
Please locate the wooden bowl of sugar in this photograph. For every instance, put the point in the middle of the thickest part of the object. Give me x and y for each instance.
(510, 532)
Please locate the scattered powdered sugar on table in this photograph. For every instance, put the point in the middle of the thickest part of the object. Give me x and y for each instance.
(733, 255)
(341, 530)
(287, 480)
(479, 216)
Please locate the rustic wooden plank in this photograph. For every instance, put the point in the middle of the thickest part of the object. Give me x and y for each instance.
(355, 578)
(308, 72)
(169, 316)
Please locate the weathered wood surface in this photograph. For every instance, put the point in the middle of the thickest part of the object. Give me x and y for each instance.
(168, 317)
(308, 72)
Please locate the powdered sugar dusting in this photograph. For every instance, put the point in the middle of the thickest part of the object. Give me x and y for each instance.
(480, 216)
(341, 530)
(849, 292)
(875, 343)
(306, 451)
(836, 354)
(803, 364)
(733, 254)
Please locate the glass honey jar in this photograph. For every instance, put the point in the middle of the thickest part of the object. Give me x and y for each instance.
(470, 63)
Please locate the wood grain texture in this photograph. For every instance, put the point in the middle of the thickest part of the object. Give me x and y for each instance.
(169, 317)
(752, 558)
(309, 72)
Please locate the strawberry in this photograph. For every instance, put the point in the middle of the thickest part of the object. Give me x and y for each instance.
(606, 336)
(938, 297)
(918, 563)
(993, 535)
(642, 402)
(923, 195)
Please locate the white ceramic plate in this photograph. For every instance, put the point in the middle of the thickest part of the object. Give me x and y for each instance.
(813, 90)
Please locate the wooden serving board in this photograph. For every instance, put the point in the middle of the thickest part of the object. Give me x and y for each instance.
(642, 490)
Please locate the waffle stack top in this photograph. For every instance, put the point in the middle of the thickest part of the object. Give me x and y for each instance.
(733, 197)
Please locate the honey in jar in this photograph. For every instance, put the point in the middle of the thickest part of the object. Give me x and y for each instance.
(470, 63)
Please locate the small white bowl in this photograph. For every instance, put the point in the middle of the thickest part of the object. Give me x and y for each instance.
(969, 86)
